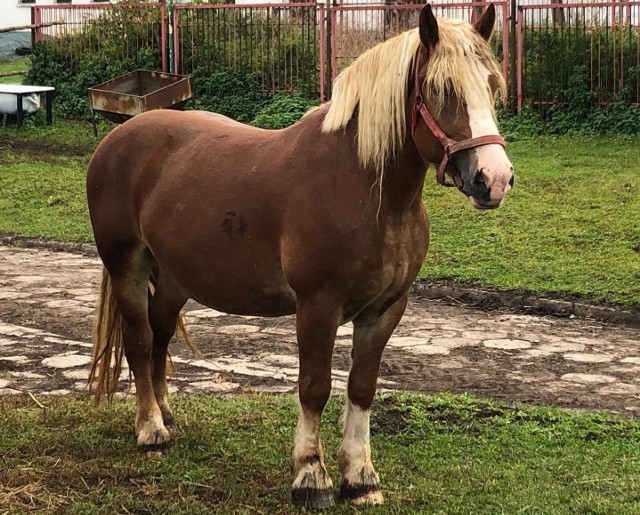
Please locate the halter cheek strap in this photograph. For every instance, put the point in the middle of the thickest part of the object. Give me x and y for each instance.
(450, 146)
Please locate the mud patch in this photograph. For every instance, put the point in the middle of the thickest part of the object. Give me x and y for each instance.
(389, 417)
(46, 151)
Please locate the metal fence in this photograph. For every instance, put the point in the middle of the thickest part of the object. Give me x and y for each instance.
(546, 50)
(119, 31)
(357, 27)
(565, 49)
(282, 44)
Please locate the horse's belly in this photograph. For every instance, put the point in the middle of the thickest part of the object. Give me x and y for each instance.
(235, 287)
(249, 299)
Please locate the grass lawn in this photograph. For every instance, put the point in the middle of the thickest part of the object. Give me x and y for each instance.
(14, 65)
(570, 226)
(440, 454)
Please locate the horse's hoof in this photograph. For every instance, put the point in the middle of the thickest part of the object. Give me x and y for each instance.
(155, 450)
(171, 426)
(313, 498)
(359, 495)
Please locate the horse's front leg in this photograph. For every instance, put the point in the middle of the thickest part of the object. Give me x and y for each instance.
(360, 483)
(316, 323)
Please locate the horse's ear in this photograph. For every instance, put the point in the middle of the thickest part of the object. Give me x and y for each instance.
(484, 25)
(428, 28)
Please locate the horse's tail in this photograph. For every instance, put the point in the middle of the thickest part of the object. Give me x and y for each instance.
(108, 341)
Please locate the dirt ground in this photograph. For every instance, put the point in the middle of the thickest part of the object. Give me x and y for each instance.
(46, 309)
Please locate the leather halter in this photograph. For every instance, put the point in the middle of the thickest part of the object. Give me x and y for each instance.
(451, 146)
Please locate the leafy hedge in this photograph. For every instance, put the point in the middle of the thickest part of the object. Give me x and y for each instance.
(282, 111)
(233, 94)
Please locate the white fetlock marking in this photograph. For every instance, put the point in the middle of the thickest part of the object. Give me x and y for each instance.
(355, 452)
(152, 432)
(307, 444)
(307, 438)
(321, 479)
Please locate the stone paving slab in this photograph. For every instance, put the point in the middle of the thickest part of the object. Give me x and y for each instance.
(47, 301)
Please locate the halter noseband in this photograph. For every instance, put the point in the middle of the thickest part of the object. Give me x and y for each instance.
(451, 146)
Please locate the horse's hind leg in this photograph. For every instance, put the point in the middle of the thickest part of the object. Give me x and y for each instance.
(129, 271)
(164, 312)
(360, 483)
(317, 323)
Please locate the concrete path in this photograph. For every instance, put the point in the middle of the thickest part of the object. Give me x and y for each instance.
(47, 302)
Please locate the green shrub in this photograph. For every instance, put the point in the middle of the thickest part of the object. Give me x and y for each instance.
(284, 110)
(525, 125)
(233, 94)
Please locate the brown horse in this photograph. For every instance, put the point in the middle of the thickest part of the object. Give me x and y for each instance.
(323, 219)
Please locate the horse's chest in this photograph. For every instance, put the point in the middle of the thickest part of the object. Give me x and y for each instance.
(405, 247)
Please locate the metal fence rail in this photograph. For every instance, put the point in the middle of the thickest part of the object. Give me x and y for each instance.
(282, 44)
(96, 28)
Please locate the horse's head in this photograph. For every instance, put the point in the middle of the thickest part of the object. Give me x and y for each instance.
(456, 79)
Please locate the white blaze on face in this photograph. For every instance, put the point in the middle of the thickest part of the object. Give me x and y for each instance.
(491, 159)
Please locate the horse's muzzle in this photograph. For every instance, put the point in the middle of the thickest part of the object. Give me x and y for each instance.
(486, 191)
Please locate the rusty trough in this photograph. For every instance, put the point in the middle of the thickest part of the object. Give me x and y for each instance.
(124, 97)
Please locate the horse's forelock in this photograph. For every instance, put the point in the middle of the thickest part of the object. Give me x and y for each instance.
(448, 71)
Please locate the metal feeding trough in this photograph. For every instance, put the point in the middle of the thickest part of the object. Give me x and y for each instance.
(124, 97)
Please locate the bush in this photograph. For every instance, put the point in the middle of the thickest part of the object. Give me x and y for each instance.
(233, 94)
(284, 110)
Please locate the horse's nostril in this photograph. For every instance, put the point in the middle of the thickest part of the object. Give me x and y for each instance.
(512, 180)
(478, 175)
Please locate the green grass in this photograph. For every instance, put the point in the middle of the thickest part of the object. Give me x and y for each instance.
(14, 65)
(570, 226)
(442, 454)
(42, 180)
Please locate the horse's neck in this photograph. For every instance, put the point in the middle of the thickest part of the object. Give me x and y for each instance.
(402, 178)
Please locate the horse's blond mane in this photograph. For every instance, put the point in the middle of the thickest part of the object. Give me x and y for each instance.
(376, 85)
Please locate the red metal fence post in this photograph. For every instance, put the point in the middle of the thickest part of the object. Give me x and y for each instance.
(176, 40)
(323, 50)
(36, 16)
(520, 33)
(163, 36)
(334, 69)
(505, 47)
